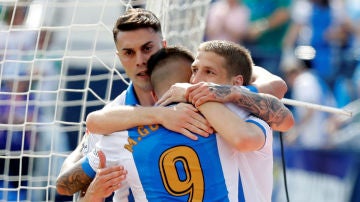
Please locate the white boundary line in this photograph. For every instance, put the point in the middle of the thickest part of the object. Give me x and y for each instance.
(316, 106)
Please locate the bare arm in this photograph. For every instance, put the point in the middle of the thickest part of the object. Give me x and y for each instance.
(244, 136)
(291, 36)
(268, 108)
(278, 18)
(72, 180)
(74, 157)
(268, 83)
(180, 118)
(109, 120)
(107, 180)
(265, 106)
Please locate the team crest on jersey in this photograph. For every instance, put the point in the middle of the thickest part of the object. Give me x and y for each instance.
(85, 145)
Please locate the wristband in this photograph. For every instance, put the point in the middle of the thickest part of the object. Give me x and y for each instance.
(87, 168)
(252, 88)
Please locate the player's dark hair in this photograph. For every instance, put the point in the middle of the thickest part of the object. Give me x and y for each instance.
(136, 18)
(165, 54)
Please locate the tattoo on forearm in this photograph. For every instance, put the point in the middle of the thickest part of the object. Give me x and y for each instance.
(220, 91)
(74, 181)
(264, 106)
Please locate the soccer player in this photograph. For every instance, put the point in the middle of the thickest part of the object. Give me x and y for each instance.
(214, 83)
(220, 68)
(164, 165)
(137, 35)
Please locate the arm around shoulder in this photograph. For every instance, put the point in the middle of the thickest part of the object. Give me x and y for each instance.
(268, 83)
(265, 106)
(110, 120)
(242, 135)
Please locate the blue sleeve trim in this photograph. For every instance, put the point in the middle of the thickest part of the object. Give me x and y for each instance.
(252, 88)
(259, 125)
(87, 168)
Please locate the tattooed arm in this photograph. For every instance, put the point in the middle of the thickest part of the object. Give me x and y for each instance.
(106, 181)
(74, 156)
(66, 182)
(72, 180)
(265, 106)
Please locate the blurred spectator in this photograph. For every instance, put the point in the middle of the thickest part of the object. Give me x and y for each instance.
(49, 139)
(320, 24)
(306, 86)
(346, 87)
(311, 160)
(227, 20)
(16, 109)
(269, 21)
(356, 79)
(354, 13)
(344, 130)
(46, 73)
(16, 44)
(348, 34)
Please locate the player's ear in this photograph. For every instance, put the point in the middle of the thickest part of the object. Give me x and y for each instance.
(154, 97)
(238, 80)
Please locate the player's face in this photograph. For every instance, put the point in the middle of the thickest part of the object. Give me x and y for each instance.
(209, 67)
(134, 48)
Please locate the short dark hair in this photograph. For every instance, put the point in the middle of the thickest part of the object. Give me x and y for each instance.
(237, 58)
(136, 18)
(161, 67)
(165, 54)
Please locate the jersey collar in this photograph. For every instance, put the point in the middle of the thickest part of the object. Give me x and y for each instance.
(131, 98)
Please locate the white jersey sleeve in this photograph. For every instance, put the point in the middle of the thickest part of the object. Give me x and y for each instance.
(256, 167)
(113, 148)
(91, 138)
(109, 145)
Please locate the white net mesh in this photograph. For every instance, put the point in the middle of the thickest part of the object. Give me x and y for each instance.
(57, 64)
(183, 21)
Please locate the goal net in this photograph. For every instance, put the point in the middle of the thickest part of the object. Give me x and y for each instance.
(57, 64)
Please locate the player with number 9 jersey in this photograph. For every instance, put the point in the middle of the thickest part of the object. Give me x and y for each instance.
(166, 166)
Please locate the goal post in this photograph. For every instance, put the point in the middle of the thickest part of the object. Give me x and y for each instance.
(57, 64)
